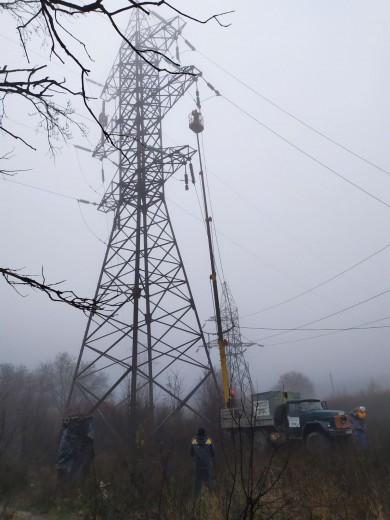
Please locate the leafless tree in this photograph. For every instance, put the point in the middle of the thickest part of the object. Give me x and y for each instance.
(175, 386)
(295, 382)
(39, 90)
(49, 21)
(56, 378)
(254, 474)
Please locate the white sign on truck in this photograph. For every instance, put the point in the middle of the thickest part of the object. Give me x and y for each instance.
(261, 408)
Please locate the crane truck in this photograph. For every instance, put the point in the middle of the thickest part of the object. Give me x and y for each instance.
(276, 417)
(272, 417)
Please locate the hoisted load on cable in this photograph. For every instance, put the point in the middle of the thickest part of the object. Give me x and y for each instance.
(196, 122)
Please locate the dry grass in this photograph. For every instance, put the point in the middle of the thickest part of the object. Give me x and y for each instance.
(157, 481)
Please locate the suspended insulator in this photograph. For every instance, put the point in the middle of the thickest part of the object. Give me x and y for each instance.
(177, 53)
(189, 45)
(192, 174)
(196, 122)
(103, 119)
(102, 174)
(186, 181)
(198, 100)
(213, 88)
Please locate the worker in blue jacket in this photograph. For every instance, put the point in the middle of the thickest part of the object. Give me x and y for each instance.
(202, 453)
(358, 416)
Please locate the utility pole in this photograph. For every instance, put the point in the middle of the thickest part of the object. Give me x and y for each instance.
(151, 326)
(331, 382)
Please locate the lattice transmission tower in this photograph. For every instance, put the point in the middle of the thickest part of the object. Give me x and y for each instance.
(152, 328)
(239, 374)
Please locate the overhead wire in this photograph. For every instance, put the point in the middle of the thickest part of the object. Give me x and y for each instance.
(51, 192)
(318, 285)
(200, 206)
(78, 200)
(261, 328)
(329, 315)
(215, 232)
(276, 224)
(248, 202)
(259, 258)
(241, 247)
(88, 227)
(313, 158)
(310, 127)
(328, 168)
(325, 166)
(322, 335)
(332, 170)
(339, 329)
(84, 177)
(79, 164)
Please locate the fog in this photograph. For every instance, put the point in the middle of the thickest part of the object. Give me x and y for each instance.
(299, 187)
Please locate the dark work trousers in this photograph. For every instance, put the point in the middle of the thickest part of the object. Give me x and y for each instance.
(360, 435)
(202, 475)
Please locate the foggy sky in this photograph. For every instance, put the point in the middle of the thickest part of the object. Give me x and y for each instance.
(285, 222)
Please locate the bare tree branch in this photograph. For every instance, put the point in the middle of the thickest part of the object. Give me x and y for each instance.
(38, 90)
(6, 157)
(45, 19)
(14, 279)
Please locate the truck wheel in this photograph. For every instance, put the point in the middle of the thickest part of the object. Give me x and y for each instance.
(317, 442)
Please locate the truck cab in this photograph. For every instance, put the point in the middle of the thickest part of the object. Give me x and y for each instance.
(306, 417)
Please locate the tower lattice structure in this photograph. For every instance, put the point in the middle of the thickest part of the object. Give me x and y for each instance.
(239, 374)
(151, 328)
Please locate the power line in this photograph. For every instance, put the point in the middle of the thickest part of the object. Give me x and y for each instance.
(306, 153)
(321, 335)
(243, 248)
(311, 330)
(82, 173)
(83, 201)
(329, 315)
(79, 201)
(292, 115)
(89, 228)
(281, 272)
(172, 202)
(249, 203)
(298, 148)
(318, 285)
(247, 315)
(259, 328)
